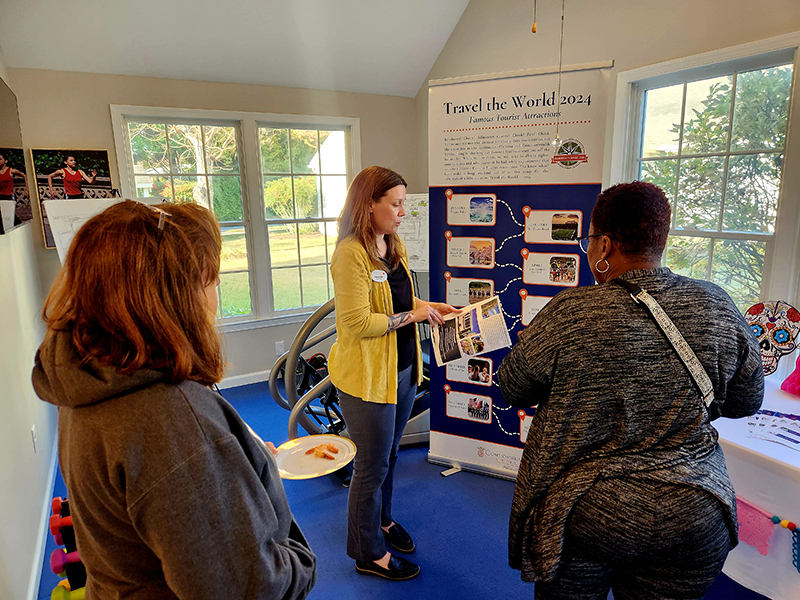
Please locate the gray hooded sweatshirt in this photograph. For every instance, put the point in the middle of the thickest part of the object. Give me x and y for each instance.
(171, 495)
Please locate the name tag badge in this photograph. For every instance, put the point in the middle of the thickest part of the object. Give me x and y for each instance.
(379, 276)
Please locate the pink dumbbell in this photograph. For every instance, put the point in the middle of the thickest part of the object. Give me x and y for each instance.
(60, 559)
(62, 593)
(57, 522)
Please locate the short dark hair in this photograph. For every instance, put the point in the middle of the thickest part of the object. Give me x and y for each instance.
(636, 215)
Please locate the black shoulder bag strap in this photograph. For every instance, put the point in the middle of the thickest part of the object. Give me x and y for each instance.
(686, 354)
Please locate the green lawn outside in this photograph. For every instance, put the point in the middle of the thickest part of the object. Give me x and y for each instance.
(235, 289)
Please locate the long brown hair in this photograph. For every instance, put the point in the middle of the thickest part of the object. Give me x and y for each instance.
(132, 294)
(371, 184)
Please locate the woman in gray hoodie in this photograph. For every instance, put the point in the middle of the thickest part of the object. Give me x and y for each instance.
(171, 495)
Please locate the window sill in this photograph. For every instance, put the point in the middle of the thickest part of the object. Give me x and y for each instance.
(294, 318)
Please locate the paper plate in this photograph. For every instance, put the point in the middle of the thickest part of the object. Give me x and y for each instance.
(294, 463)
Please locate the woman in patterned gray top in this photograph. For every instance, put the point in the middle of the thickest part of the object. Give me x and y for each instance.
(622, 483)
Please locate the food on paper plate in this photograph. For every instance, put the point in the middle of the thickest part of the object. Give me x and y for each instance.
(320, 451)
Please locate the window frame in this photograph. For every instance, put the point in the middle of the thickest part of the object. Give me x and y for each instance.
(254, 216)
(780, 278)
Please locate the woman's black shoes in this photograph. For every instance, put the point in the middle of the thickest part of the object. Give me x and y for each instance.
(398, 538)
(399, 569)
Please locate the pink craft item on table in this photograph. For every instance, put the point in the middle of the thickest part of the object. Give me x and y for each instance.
(755, 526)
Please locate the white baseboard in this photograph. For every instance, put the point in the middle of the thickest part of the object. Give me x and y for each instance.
(44, 529)
(237, 380)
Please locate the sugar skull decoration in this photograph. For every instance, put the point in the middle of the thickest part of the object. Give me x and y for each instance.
(776, 324)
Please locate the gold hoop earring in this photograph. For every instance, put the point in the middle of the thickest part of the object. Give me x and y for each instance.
(608, 266)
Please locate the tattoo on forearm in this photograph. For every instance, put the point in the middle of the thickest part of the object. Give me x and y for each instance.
(398, 320)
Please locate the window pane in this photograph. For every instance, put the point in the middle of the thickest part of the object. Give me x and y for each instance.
(221, 153)
(286, 288)
(186, 148)
(307, 197)
(234, 289)
(315, 286)
(312, 243)
(688, 256)
(333, 153)
(663, 173)
(738, 268)
(751, 200)
(274, 150)
(305, 155)
(147, 187)
(662, 120)
(761, 109)
(234, 249)
(708, 107)
(226, 197)
(191, 189)
(334, 192)
(283, 245)
(332, 230)
(700, 193)
(148, 148)
(278, 202)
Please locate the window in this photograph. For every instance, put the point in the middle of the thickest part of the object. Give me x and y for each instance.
(199, 163)
(305, 183)
(714, 139)
(276, 183)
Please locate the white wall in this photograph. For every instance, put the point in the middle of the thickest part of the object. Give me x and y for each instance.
(495, 35)
(25, 475)
(71, 110)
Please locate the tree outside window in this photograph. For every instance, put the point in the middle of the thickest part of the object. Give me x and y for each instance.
(715, 146)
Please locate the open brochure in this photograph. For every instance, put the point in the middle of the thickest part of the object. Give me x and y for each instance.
(476, 329)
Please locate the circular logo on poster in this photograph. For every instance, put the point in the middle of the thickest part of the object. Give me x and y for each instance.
(481, 451)
(569, 154)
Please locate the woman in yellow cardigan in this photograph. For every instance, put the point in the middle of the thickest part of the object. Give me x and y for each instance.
(376, 362)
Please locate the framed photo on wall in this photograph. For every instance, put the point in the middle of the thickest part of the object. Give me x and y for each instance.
(63, 174)
(14, 195)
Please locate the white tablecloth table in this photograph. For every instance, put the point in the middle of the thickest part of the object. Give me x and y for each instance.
(766, 475)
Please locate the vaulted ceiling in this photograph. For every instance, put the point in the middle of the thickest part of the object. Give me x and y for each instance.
(369, 46)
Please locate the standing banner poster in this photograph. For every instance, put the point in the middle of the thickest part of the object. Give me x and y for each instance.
(507, 206)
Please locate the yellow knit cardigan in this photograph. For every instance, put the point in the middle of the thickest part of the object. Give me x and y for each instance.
(363, 360)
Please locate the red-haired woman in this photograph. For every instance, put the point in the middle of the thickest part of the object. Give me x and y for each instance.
(376, 362)
(170, 493)
(73, 179)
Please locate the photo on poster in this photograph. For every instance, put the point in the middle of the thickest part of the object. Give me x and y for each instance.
(14, 188)
(552, 226)
(477, 371)
(479, 408)
(480, 253)
(476, 253)
(471, 209)
(70, 174)
(481, 209)
(480, 290)
(540, 268)
(470, 407)
(565, 227)
(563, 269)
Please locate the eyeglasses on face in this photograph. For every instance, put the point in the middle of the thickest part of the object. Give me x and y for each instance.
(583, 241)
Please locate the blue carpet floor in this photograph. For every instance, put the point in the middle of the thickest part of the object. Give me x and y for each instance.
(459, 524)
